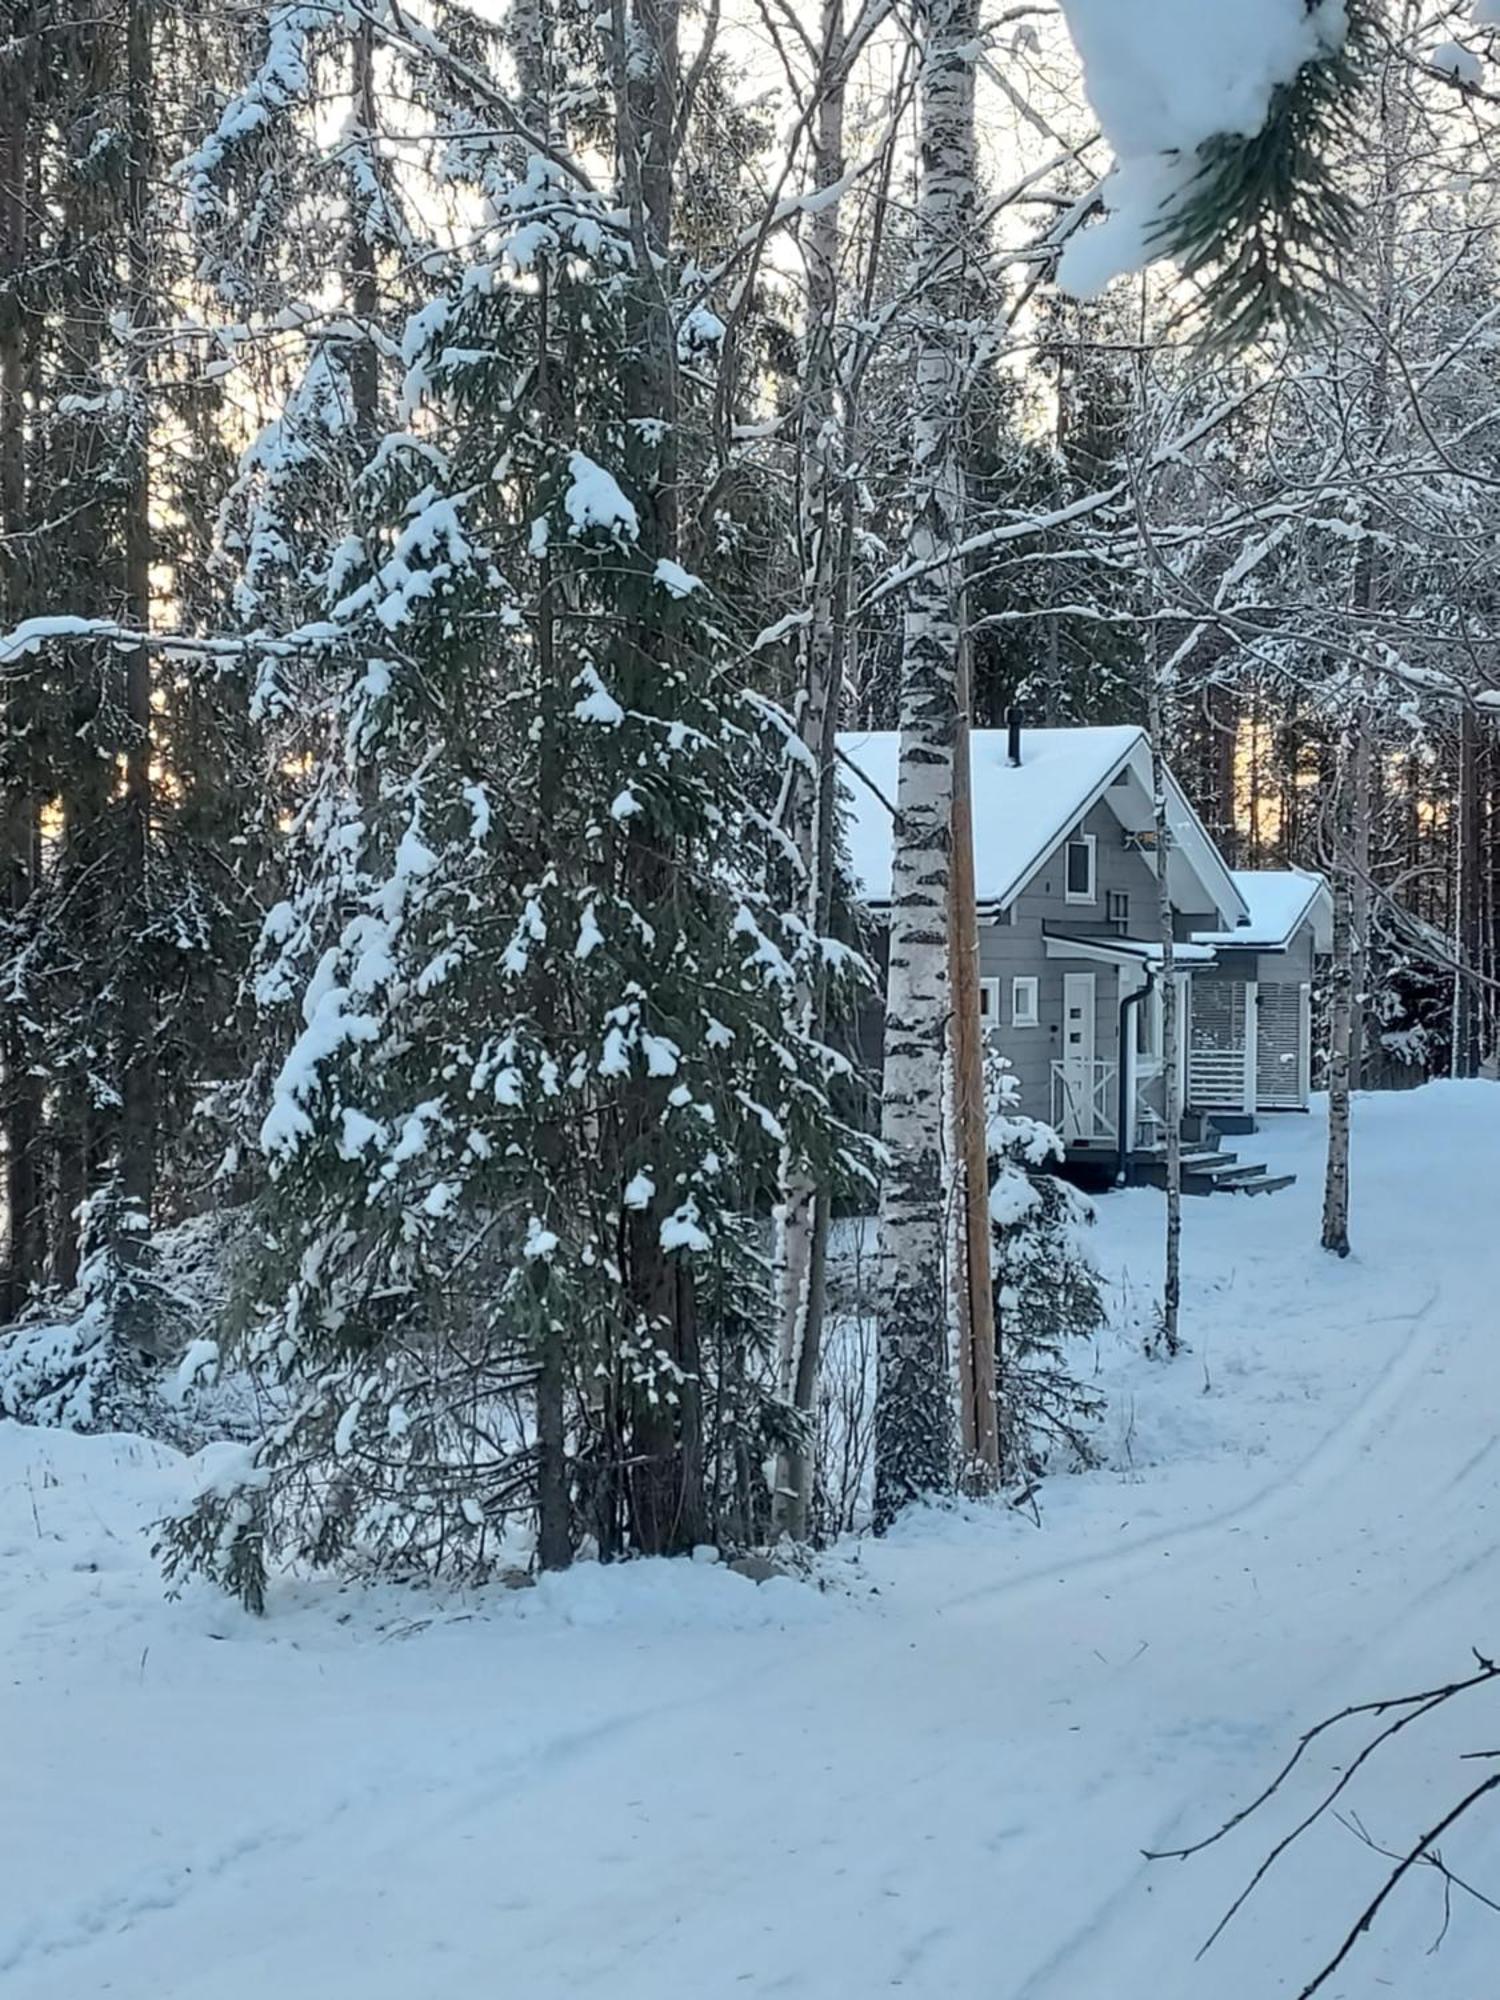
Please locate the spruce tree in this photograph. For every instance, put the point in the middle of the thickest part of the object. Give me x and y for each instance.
(548, 1041)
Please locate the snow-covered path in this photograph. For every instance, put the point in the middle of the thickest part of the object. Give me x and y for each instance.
(939, 1782)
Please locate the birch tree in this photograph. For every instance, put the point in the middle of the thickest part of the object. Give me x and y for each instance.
(1157, 687)
(804, 1211)
(913, 1409)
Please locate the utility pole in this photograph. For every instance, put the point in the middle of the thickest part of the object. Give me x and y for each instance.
(972, 1277)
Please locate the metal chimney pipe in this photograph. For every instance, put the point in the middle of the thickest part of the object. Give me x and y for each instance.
(1013, 724)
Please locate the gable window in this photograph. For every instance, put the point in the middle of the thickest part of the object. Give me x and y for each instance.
(989, 1006)
(1117, 909)
(1080, 864)
(1025, 1003)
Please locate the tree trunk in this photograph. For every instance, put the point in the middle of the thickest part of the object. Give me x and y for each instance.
(137, 1017)
(364, 364)
(1357, 861)
(1467, 1034)
(79, 470)
(973, 1274)
(913, 1418)
(1368, 590)
(1171, 1032)
(1341, 1018)
(665, 1479)
(554, 1545)
(805, 1216)
(21, 1101)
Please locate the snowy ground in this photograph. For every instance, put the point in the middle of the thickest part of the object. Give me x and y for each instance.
(937, 1778)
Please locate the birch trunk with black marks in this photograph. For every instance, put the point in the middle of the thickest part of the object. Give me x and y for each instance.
(804, 1218)
(913, 1402)
(1171, 1016)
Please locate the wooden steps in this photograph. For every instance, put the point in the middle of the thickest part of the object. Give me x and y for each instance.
(1206, 1167)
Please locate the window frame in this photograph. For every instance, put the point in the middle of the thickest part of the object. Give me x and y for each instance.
(1117, 909)
(1089, 842)
(1033, 985)
(989, 1023)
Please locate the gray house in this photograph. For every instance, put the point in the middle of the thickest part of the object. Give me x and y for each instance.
(1070, 955)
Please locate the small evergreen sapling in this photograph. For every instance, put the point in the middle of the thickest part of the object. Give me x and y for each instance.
(1047, 1290)
(90, 1373)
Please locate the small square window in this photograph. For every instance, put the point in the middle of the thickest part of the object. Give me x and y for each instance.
(1025, 1003)
(1079, 868)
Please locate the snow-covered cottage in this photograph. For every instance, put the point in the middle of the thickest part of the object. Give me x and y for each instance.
(1070, 952)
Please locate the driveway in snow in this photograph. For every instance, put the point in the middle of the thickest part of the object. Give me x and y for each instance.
(936, 1778)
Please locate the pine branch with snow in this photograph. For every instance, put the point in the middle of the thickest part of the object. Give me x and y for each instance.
(1229, 125)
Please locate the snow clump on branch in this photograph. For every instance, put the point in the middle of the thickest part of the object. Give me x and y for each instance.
(1164, 78)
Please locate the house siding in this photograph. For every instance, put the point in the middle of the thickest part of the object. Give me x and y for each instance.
(1015, 949)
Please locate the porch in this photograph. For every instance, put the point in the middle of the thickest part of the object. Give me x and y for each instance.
(1086, 1113)
(1249, 1044)
(1086, 1107)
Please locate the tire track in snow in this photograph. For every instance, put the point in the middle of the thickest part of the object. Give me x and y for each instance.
(40, 1940)
(1334, 1453)
(1065, 1972)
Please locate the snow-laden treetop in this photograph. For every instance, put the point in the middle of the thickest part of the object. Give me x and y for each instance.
(1165, 77)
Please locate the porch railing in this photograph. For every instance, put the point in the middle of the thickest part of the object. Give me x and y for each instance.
(1085, 1100)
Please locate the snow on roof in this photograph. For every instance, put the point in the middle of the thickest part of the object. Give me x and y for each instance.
(1020, 814)
(1144, 951)
(1279, 901)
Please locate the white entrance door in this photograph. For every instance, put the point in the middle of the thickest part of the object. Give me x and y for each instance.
(1078, 1055)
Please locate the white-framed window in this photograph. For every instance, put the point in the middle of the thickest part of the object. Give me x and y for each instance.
(1080, 868)
(989, 1006)
(1025, 1003)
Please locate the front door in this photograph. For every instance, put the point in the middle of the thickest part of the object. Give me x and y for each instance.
(1078, 1055)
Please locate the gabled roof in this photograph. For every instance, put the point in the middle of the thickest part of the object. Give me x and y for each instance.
(1022, 812)
(1279, 901)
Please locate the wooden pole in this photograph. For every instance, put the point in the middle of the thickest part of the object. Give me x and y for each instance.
(976, 1298)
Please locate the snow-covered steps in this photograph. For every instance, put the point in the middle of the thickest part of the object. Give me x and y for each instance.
(1213, 1173)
